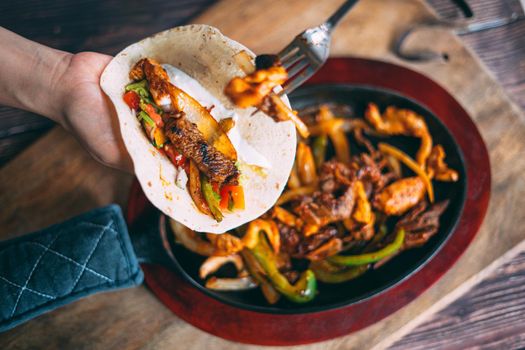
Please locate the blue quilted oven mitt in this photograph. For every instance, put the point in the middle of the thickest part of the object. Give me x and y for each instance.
(46, 269)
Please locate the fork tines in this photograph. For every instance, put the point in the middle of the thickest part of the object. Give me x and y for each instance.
(296, 61)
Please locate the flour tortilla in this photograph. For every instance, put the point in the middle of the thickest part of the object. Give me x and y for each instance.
(206, 55)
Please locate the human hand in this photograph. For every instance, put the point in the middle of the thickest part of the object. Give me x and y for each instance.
(89, 114)
(64, 87)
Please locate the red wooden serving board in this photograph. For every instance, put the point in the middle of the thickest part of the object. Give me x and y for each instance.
(246, 326)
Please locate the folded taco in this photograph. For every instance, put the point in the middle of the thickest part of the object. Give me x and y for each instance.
(199, 158)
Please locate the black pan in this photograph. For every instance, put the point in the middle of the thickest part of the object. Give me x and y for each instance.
(356, 97)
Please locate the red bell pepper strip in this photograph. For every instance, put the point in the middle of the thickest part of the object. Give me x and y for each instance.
(233, 192)
(132, 99)
(176, 158)
(153, 114)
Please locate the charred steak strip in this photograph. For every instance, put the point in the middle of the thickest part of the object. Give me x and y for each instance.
(421, 223)
(334, 202)
(190, 142)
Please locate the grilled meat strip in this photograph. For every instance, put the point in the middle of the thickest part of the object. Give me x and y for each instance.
(334, 202)
(313, 242)
(335, 177)
(298, 246)
(323, 208)
(158, 80)
(373, 171)
(190, 142)
(421, 223)
(290, 237)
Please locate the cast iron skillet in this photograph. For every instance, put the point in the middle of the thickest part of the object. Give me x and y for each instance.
(374, 281)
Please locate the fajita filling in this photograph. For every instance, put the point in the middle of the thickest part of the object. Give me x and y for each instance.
(185, 131)
(256, 89)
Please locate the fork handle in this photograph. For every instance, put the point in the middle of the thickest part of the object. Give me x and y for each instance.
(339, 14)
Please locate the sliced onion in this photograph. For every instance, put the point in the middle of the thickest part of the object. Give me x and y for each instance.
(251, 238)
(270, 294)
(231, 284)
(285, 113)
(306, 164)
(341, 146)
(411, 164)
(194, 188)
(213, 263)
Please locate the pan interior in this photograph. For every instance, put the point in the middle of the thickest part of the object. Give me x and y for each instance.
(331, 296)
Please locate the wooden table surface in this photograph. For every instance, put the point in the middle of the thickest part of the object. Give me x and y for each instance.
(488, 315)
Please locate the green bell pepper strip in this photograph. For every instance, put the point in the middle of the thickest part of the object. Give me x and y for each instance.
(142, 104)
(255, 270)
(213, 199)
(328, 273)
(319, 146)
(146, 118)
(368, 258)
(304, 289)
(141, 88)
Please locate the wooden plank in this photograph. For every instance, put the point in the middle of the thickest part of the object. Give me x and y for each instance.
(487, 311)
(125, 319)
(103, 26)
(55, 178)
(52, 181)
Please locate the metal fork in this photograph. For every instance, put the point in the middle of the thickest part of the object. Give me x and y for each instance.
(309, 50)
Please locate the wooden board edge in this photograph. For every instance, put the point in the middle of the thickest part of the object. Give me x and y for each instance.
(479, 61)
